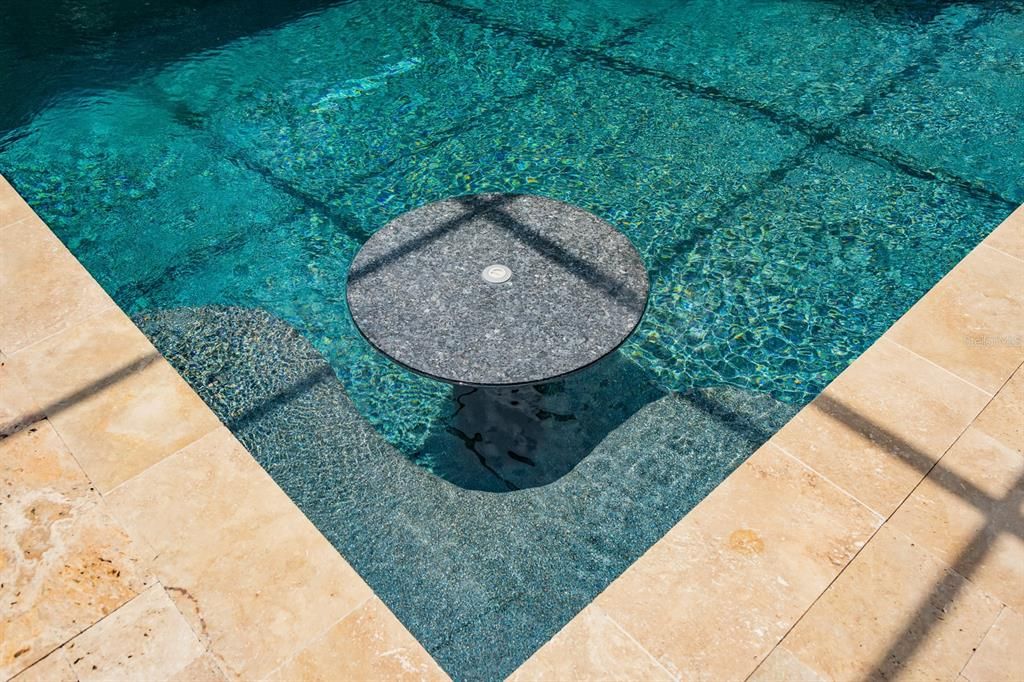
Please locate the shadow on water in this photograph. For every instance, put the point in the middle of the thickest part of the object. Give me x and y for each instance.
(512, 438)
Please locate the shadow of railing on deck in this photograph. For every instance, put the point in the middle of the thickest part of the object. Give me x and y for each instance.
(20, 422)
(1001, 517)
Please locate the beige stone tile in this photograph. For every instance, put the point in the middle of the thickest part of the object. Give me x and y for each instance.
(34, 461)
(1003, 418)
(55, 548)
(146, 639)
(203, 669)
(714, 596)
(44, 288)
(53, 668)
(1009, 236)
(12, 207)
(114, 400)
(782, 666)
(368, 644)
(967, 512)
(878, 428)
(249, 571)
(63, 568)
(999, 658)
(896, 611)
(17, 408)
(590, 647)
(972, 321)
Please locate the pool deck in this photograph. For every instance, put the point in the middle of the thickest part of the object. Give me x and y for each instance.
(880, 531)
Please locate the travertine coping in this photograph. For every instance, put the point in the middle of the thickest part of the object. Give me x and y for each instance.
(879, 529)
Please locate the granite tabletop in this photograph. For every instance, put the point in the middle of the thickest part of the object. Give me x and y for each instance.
(497, 289)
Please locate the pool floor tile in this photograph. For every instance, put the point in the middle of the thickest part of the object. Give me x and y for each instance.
(114, 400)
(999, 659)
(972, 321)
(368, 643)
(769, 562)
(896, 611)
(146, 639)
(44, 288)
(591, 647)
(249, 571)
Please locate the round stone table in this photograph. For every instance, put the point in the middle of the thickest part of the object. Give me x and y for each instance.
(497, 289)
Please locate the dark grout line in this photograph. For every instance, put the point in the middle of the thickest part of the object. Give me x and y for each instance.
(350, 227)
(637, 27)
(819, 134)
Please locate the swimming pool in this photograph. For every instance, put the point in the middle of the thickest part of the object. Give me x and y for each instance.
(795, 175)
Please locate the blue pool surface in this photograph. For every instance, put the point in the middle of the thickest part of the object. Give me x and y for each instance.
(795, 174)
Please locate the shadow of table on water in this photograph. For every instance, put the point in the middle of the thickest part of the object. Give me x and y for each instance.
(512, 438)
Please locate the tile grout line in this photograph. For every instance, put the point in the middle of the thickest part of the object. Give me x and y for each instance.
(173, 453)
(984, 242)
(105, 309)
(18, 221)
(884, 524)
(60, 647)
(838, 487)
(321, 635)
(634, 640)
(974, 652)
(950, 372)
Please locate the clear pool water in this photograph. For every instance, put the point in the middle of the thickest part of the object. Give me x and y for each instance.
(795, 173)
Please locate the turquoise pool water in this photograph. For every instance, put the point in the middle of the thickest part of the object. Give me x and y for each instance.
(795, 173)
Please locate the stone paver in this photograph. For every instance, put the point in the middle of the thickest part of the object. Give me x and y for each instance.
(1003, 418)
(968, 513)
(203, 669)
(591, 647)
(895, 611)
(64, 562)
(114, 400)
(249, 571)
(878, 446)
(712, 598)
(971, 322)
(17, 407)
(367, 644)
(782, 665)
(53, 668)
(999, 658)
(146, 639)
(63, 568)
(45, 290)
